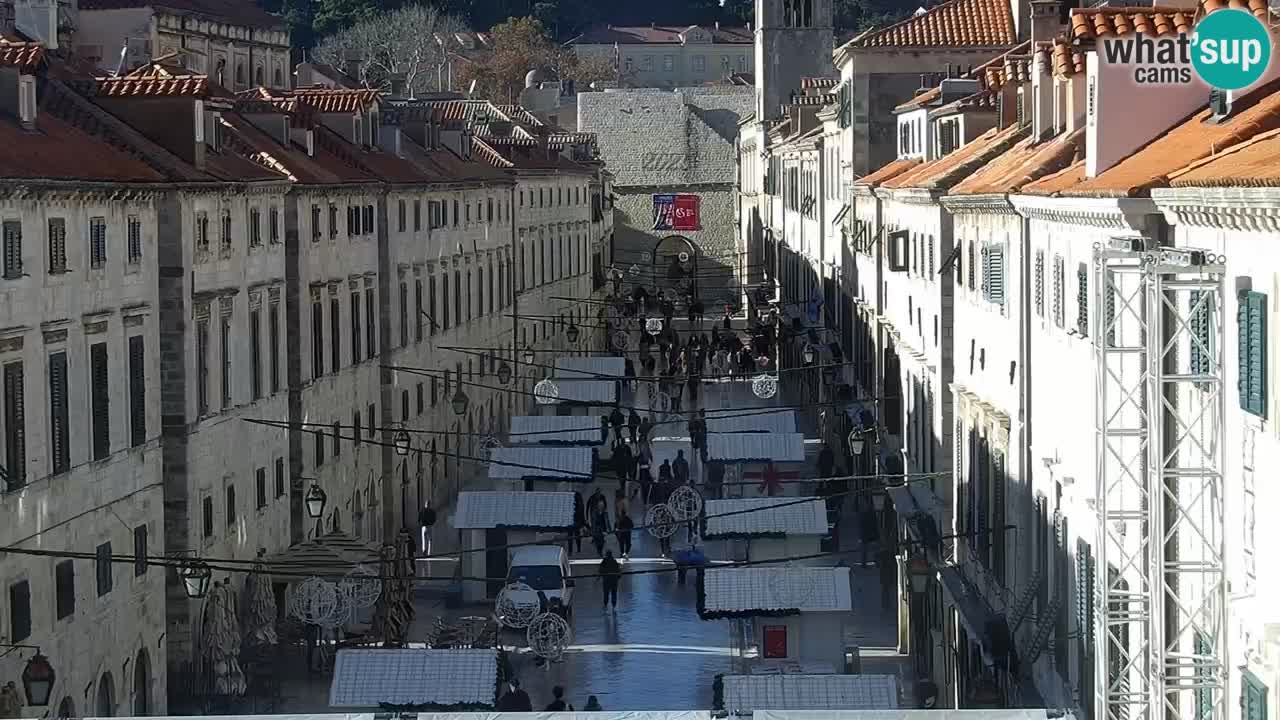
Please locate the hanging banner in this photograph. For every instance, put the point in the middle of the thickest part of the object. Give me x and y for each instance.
(676, 212)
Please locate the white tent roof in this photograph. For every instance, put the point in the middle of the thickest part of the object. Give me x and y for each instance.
(483, 510)
(414, 676)
(741, 421)
(766, 516)
(797, 691)
(579, 715)
(536, 429)
(738, 447)
(903, 715)
(596, 392)
(535, 461)
(590, 367)
(756, 588)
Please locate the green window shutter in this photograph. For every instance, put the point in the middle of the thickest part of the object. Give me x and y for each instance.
(1201, 327)
(1109, 308)
(1251, 317)
(1039, 283)
(1204, 697)
(1253, 697)
(986, 273)
(995, 274)
(1082, 300)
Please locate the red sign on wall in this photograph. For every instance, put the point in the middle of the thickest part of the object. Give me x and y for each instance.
(677, 212)
(775, 641)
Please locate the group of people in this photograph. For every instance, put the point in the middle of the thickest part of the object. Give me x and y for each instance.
(515, 699)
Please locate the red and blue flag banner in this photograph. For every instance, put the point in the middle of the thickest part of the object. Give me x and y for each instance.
(676, 212)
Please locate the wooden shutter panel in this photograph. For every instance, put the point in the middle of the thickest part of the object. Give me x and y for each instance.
(15, 428)
(1109, 310)
(986, 272)
(995, 280)
(12, 249)
(1039, 281)
(1082, 300)
(998, 521)
(1253, 699)
(137, 392)
(100, 401)
(1252, 319)
(60, 440)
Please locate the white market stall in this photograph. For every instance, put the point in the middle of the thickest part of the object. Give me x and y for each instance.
(748, 455)
(772, 528)
(747, 694)
(797, 613)
(421, 677)
(751, 421)
(556, 430)
(586, 398)
(523, 466)
(592, 367)
(489, 522)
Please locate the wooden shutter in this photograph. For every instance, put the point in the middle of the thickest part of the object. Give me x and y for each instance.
(1252, 320)
(140, 550)
(137, 391)
(355, 328)
(1059, 271)
(1084, 622)
(100, 400)
(1201, 349)
(995, 274)
(371, 324)
(64, 589)
(1082, 300)
(103, 569)
(998, 516)
(15, 428)
(1039, 281)
(12, 231)
(59, 432)
(1109, 309)
(19, 611)
(1204, 696)
(1253, 699)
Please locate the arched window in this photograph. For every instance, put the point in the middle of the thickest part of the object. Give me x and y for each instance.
(278, 78)
(220, 73)
(807, 19)
(106, 703)
(142, 684)
(242, 78)
(258, 75)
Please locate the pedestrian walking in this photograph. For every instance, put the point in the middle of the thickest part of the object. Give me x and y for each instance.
(715, 480)
(623, 531)
(426, 519)
(622, 463)
(610, 576)
(826, 461)
(617, 421)
(558, 704)
(633, 424)
(692, 382)
(664, 474)
(728, 319)
(699, 313)
(619, 503)
(579, 522)
(515, 699)
(646, 427)
(680, 469)
(593, 705)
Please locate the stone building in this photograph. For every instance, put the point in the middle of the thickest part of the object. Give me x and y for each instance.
(661, 56)
(234, 42)
(698, 127)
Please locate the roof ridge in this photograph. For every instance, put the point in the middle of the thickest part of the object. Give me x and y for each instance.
(1230, 150)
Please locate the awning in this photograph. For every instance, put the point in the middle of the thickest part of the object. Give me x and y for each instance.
(538, 462)
(587, 392)
(484, 510)
(755, 447)
(974, 614)
(744, 421)
(751, 693)
(588, 368)
(333, 556)
(555, 430)
(415, 676)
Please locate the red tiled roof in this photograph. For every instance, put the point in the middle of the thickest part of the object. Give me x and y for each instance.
(1092, 23)
(1258, 8)
(519, 115)
(958, 23)
(1191, 140)
(1054, 183)
(659, 35)
(892, 169)
(334, 100)
(487, 153)
(1253, 163)
(1023, 163)
(559, 141)
(236, 12)
(62, 151)
(155, 79)
(921, 100)
(20, 54)
(948, 169)
(818, 83)
(1061, 55)
(292, 162)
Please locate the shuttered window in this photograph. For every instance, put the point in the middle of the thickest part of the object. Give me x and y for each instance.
(100, 400)
(317, 340)
(1059, 280)
(255, 353)
(1109, 308)
(260, 487)
(417, 304)
(371, 323)
(231, 505)
(64, 585)
(1252, 327)
(355, 327)
(1039, 283)
(206, 513)
(226, 359)
(137, 391)
(12, 239)
(999, 561)
(15, 429)
(1253, 697)
(1204, 696)
(97, 242)
(337, 439)
(57, 245)
(1201, 336)
(1084, 620)
(102, 568)
(993, 274)
(335, 332)
(404, 314)
(280, 488)
(457, 297)
(59, 429)
(19, 611)
(431, 306)
(140, 544)
(133, 226)
(1082, 300)
(973, 267)
(1062, 568)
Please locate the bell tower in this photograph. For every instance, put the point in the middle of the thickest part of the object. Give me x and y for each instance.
(794, 39)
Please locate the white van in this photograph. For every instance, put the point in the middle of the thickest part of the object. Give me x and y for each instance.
(545, 569)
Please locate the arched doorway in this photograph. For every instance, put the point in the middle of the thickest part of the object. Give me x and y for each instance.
(675, 264)
(66, 708)
(142, 684)
(106, 702)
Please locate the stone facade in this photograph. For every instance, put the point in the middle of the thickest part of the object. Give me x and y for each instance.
(670, 57)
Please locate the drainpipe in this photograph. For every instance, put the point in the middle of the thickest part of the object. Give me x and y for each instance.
(1025, 462)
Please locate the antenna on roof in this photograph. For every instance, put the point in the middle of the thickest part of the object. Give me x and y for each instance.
(124, 52)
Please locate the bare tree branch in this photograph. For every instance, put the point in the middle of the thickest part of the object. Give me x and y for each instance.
(401, 50)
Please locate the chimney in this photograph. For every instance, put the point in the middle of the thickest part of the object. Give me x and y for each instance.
(38, 20)
(1044, 92)
(653, 25)
(1046, 21)
(717, 24)
(748, 26)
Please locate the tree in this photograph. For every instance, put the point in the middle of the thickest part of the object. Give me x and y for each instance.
(518, 46)
(396, 50)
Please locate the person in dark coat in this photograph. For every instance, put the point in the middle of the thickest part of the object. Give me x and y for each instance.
(597, 503)
(593, 705)
(629, 372)
(699, 313)
(623, 531)
(515, 700)
(558, 704)
(617, 420)
(680, 469)
(623, 462)
(665, 475)
(610, 575)
(599, 527)
(728, 319)
(826, 461)
(646, 427)
(633, 424)
(715, 480)
(579, 522)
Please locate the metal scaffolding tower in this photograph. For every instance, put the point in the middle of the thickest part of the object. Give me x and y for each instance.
(1160, 631)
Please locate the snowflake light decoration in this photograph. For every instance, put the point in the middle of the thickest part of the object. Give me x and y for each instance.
(660, 403)
(314, 601)
(513, 607)
(620, 340)
(634, 270)
(653, 326)
(685, 502)
(488, 444)
(765, 386)
(362, 586)
(546, 392)
(548, 636)
(683, 257)
(790, 589)
(661, 521)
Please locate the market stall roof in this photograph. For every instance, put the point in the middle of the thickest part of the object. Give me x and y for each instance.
(744, 694)
(754, 591)
(531, 461)
(579, 715)
(1028, 714)
(364, 678)
(484, 510)
(587, 392)
(764, 517)
(333, 555)
(751, 421)
(556, 430)
(591, 367)
(755, 447)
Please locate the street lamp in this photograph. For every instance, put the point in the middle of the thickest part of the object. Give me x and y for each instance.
(808, 354)
(571, 333)
(920, 572)
(37, 680)
(196, 577)
(528, 356)
(504, 373)
(402, 443)
(315, 502)
(857, 443)
(460, 402)
(878, 499)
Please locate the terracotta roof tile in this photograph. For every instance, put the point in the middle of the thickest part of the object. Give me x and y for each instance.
(486, 152)
(1062, 56)
(920, 100)
(58, 150)
(1258, 8)
(20, 54)
(245, 13)
(1023, 163)
(1253, 163)
(560, 141)
(335, 100)
(940, 174)
(820, 83)
(890, 170)
(958, 23)
(660, 35)
(1092, 23)
(1191, 140)
(155, 79)
(1054, 183)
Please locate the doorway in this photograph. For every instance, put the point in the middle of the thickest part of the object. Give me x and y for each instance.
(495, 565)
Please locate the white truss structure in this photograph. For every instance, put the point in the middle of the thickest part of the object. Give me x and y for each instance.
(1160, 647)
